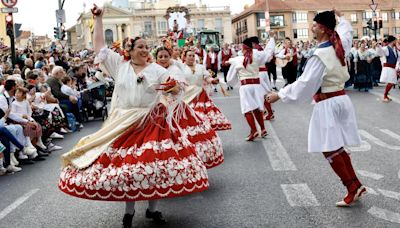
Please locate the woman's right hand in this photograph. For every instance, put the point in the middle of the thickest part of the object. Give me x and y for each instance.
(96, 11)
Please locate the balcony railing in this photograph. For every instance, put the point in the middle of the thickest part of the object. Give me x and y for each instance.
(277, 25)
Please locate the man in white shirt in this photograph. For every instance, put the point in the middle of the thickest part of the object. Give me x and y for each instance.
(333, 124)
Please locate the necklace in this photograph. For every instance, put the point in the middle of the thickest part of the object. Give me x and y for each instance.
(136, 64)
(192, 67)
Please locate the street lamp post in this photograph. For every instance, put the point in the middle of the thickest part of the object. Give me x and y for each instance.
(373, 7)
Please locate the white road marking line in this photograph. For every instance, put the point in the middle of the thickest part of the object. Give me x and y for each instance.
(299, 195)
(377, 141)
(371, 191)
(384, 214)
(16, 203)
(380, 95)
(365, 146)
(277, 154)
(371, 175)
(391, 133)
(390, 194)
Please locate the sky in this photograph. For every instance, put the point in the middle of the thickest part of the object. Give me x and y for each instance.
(40, 16)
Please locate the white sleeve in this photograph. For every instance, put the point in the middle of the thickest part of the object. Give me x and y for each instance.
(28, 110)
(262, 57)
(232, 78)
(219, 58)
(281, 54)
(109, 61)
(179, 64)
(3, 103)
(345, 31)
(398, 56)
(382, 51)
(307, 85)
(176, 73)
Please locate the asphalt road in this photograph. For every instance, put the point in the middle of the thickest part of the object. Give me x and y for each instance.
(271, 182)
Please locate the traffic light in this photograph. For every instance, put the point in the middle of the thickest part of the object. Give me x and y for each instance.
(62, 32)
(9, 25)
(56, 32)
(369, 24)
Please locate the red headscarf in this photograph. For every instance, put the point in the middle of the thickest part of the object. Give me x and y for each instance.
(334, 38)
(258, 47)
(248, 55)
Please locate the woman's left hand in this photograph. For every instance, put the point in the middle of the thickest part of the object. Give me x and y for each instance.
(174, 90)
(272, 97)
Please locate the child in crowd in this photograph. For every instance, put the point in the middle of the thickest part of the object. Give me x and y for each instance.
(22, 108)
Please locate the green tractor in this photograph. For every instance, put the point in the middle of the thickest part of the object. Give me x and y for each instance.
(208, 38)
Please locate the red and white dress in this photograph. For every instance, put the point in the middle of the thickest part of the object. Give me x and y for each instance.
(140, 153)
(199, 132)
(196, 96)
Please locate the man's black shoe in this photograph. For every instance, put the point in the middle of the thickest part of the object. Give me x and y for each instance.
(42, 154)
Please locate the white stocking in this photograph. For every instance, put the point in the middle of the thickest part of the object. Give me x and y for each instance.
(40, 144)
(130, 208)
(29, 142)
(153, 205)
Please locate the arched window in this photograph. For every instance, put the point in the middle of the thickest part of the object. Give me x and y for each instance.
(109, 37)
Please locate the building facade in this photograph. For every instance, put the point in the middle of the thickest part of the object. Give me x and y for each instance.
(293, 18)
(148, 19)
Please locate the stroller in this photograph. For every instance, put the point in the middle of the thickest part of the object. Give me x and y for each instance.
(94, 102)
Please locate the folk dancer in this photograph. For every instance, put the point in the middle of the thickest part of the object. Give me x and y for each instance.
(264, 80)
(196, 125)
(246, 70)
(139, 153)
(333, 123)
(389, 74)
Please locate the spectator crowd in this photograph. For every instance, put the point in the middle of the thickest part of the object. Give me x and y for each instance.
(43, 97)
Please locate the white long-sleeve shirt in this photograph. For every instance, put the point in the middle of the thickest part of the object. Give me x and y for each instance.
(69, 91)
(310, 81)
(384, 52)
(21, 108)
(259, 57)
(4, 106)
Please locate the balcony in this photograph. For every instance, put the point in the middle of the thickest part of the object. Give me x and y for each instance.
(277, 25)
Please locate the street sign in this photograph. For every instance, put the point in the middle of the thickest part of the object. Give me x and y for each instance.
(60, 15)
(9, 10)
(9, 3)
